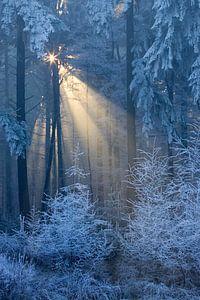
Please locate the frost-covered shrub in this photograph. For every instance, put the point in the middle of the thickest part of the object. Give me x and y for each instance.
(15, 279)
(66, 247)
(145, 290)
(21, 280)
(63, 250)
(83, 286)
(165, 227)
(69, 233)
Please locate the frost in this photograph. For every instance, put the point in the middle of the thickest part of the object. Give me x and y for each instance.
(16, 133)
(100, 15)
(194, 80)
(62, 251)
(165, 228)
(38, 21)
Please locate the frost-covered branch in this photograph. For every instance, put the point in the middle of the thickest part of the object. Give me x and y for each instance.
(16, 133)
(165, 227)
(38, 21)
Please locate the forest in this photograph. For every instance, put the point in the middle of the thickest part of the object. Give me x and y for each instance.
(99, 149)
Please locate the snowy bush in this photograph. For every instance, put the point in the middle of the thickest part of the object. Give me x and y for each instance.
(69, 233)
(165, 229)
(63, 250)
(66, 247)
(145, 290)
(20, 280)
(83, 286)
(15, 278)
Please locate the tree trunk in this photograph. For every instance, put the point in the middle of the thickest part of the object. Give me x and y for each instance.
(23, 193)
(88, 135)
(131, 112)
(170, 90)
(7, 153)
(56, 124)
(56, 96)
(49, 164)
(48, 117)
(184, 113)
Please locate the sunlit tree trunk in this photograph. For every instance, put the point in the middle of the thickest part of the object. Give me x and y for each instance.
(23, 193)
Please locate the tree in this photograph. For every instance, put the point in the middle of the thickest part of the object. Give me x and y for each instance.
(161, 75)
(56, 124)
(131, 111)
(30, 17)
(23, 194)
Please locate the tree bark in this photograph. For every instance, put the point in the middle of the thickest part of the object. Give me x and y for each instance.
(23, 193)
(131, 111)
(7, 153)
(88, 135)
(49, 164)
(170, 89)
(56, 96)
(48, 116)
(56, 125)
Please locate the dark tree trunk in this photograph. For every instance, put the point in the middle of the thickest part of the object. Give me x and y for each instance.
(49, 164)
(184, 112)
(56, 124)
(56, 96)
(184, 129)
(170, 90)
(7, 152)
(131, 112)
(54, 169)
(23, 193)
(88, 136)
(48, 117)
(112, 45)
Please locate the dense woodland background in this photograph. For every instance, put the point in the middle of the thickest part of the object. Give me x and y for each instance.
(99, 149)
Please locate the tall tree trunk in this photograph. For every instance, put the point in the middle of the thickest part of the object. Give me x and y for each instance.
(56, 124)
(49, 164)
(184, 113)
(56, 96)
(88, 135)
(131, 112)
(23, 193)
(7, 153)
(170, 89)
(184, 129)
(48, 116)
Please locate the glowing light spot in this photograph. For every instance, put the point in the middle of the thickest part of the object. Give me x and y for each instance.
(120, 9)
(70, 56)
(51, 58)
